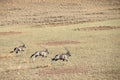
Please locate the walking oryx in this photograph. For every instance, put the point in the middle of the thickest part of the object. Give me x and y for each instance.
(19, 49)
(63, 57)
(40, 53)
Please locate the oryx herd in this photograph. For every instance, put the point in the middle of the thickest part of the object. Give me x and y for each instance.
(42, 53)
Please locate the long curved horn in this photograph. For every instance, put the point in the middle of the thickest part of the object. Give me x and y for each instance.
(66, 49)
(43, 47)
(22, 42)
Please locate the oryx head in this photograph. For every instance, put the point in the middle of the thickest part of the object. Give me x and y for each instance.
(46, 50)
(68, 52)
(24, 46)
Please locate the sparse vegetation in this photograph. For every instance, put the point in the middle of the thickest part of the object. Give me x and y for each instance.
(96, 43)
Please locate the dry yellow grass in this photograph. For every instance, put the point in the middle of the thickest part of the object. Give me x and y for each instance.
(97, 53)
(57, 12)
(5, 55)
(89, 29)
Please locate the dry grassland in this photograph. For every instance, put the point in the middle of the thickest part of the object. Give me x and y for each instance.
(89, 29)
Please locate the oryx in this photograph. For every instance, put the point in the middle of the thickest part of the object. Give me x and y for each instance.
(63, 56)
(40, 53)
(18, 49)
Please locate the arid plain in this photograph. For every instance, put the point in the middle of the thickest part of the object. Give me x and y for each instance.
(90, 30)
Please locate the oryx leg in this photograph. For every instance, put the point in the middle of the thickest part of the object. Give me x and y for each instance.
(33, 59)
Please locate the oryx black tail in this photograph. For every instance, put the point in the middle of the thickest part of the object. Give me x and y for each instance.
(31, 55)
(11, 51)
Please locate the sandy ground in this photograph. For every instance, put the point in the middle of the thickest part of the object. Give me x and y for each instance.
(93, 61)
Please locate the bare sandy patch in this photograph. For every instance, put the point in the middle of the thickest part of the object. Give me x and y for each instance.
(54, 43)
(16, 68)
(10, 33)
(55, 71)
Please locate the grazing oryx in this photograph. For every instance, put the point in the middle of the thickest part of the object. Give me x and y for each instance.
(40, 53)
(63, 56)
(19, 49)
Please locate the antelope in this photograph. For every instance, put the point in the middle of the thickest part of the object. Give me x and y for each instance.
(63, 57)
(40, 53)
(19, 49)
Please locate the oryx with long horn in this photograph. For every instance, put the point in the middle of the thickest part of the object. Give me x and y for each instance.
(63, 56)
